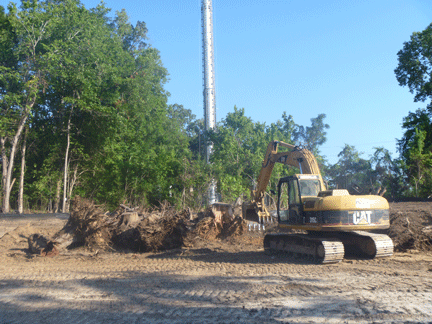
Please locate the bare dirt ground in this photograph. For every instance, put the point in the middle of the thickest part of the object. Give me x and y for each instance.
(228, 281)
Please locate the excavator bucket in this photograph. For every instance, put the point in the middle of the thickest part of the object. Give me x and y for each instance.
(257, 218)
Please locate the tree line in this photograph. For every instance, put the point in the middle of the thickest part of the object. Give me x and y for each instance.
(83, 111)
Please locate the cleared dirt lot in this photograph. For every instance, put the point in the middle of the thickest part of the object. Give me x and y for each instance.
(211, 282)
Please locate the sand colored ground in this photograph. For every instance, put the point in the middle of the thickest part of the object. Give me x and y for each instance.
(212, 281)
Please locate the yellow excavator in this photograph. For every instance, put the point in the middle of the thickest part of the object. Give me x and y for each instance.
(334, 220)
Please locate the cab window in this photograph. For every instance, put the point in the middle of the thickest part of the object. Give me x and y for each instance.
(293, 192)
(309, 187)
(283, 202)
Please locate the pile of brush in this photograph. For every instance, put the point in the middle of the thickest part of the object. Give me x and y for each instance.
(140, 230)
(411, 230)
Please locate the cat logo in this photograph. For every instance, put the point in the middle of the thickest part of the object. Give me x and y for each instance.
(362, 217)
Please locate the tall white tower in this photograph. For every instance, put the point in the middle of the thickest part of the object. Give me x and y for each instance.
(209, 81)
(208, 69)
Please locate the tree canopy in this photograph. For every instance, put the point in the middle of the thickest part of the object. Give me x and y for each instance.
(83, 106)
(414, 69)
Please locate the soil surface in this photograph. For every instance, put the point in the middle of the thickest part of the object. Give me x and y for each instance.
(211, 281)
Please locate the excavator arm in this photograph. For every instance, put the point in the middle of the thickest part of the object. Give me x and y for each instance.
(295, 156)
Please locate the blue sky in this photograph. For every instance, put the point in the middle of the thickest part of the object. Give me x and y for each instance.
(303, 57)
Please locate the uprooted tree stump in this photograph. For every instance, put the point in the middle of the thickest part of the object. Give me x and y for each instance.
(138, 230)
(125, 229)
(218, 224)
(40, 245)
(156, 231)
(88, 225)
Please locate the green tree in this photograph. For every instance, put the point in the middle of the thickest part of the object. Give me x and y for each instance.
(21, 77)
(238, 149)
(311, 137)
(100, 123)
(415, 148)
(197, 135)
(414, 69)
(420, 120)
(352, 172)
(389, 174)
(420, 164)
(78, 81)
(283, 130)
(146, 157)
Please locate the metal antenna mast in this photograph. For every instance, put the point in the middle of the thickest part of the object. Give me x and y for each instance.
(209, 81)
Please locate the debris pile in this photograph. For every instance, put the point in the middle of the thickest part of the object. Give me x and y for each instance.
(158, 230)
(139, 230)
(134, 229)
(218, 222)
(411, 226)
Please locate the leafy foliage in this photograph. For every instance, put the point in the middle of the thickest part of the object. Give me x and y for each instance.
(90, 90)
(416, 151)
(351, 171)
(415, 69)
(311, 137)
(240, 145)
(100, 97)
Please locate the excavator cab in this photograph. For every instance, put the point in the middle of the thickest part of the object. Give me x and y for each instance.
(293, 193)
(289, 205)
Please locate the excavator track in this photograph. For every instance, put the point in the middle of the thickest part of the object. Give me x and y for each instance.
(370, 245)
(331, 247)
(321, 250)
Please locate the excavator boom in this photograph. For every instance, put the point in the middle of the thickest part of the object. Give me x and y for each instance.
(295, 156)
(255, 210)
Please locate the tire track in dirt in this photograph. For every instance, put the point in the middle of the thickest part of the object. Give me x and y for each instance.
(224, 284)
(120, 288)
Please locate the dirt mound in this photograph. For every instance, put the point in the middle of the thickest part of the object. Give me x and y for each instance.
(411, 225)
(16, 236)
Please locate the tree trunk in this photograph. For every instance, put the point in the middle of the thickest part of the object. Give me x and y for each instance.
(4, 168)
(56, 208)
(31, 81)
(71, 186)
(21, 183)
(382, 192)
(66, 165)
(8, 165)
